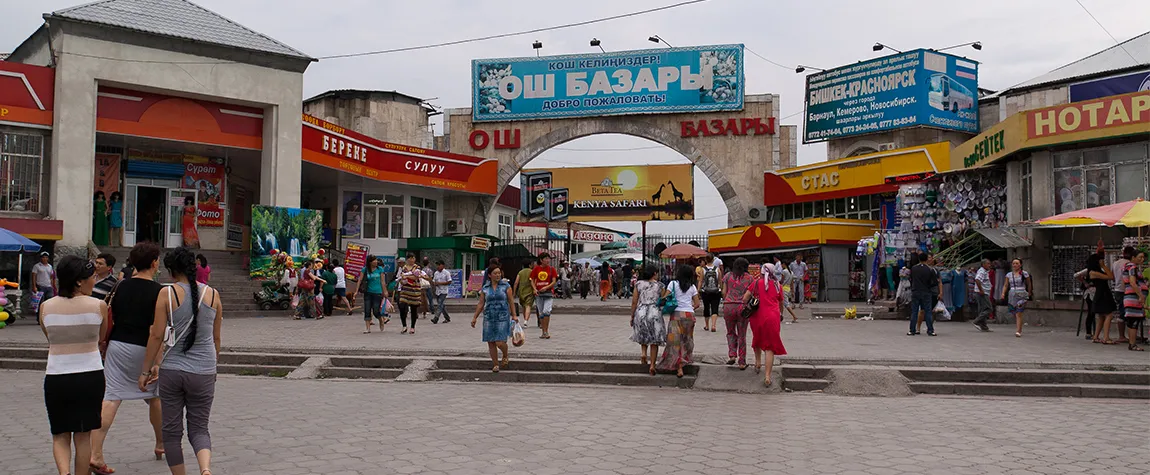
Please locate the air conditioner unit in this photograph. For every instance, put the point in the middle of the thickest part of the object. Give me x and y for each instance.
(759, 214)
(455, 226)
(882, 147)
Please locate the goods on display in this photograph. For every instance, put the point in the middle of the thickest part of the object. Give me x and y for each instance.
(934, 212)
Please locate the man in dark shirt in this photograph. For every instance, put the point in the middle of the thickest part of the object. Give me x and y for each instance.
(628, 270)
(922, 280)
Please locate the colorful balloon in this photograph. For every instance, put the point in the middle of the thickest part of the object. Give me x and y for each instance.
(2, 324)
(3, 317)
(3, 300)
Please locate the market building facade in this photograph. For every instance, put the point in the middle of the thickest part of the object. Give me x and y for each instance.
(188, 121)
(1075, 138)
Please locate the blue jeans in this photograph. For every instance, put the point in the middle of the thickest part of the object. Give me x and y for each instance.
(441, 307)
(371, 306)
(921, 301)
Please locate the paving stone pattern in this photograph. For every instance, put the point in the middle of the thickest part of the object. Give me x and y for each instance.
(263, 426)
(592, 334)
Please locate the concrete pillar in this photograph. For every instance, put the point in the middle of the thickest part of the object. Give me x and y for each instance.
(73, 163)
(280, 159)
(1041, 185)
(1014, 193)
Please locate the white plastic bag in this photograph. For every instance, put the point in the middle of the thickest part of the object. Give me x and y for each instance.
(518, 336)
(940, 311)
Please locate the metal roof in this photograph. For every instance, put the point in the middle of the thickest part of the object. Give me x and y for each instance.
(1114, 58)
(177, 19)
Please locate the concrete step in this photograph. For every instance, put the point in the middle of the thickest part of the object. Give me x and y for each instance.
(1026, 376)
(23, 363)
(801, 371)
(568, 366)
(1033, 390)
(805, 384)
(360, 373)
(255, 370)
(371, 362)
(513, 374)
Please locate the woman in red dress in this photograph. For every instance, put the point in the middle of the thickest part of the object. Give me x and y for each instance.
(191, 236)
(765, 322)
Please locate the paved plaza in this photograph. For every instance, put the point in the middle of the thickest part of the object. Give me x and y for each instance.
(607, 335)
(263, 426)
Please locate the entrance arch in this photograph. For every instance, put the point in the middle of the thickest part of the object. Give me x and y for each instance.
(733, 149)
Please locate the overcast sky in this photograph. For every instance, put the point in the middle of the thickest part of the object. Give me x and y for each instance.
(1021, 39)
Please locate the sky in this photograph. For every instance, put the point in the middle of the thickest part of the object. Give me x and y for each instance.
(1021, 39)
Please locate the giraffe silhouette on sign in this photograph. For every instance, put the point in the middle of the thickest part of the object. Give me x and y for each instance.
(658, 195)
(675, 191)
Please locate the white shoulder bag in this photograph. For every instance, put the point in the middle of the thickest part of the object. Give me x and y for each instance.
(170, 336)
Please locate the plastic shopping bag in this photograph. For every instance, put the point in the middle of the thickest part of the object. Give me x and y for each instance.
(37, 297)
(941, 312)
(294, 300)
(518, 336)
(319, 300)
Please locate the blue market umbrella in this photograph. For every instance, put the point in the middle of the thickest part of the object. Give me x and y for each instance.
(12, 242)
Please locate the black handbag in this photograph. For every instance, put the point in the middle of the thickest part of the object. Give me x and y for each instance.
(752, 305)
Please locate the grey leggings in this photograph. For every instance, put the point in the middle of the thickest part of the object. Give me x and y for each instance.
(195, 392)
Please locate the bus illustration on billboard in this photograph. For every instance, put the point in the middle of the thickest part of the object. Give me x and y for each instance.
(946, 94)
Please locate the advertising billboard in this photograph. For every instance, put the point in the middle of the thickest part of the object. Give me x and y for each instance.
(919, 88)
(665, 80)
(1111, 86)
(280, 235)
(624, 193)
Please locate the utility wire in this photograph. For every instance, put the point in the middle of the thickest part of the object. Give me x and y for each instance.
(1092, 17)
(517, 33)
(764, 58)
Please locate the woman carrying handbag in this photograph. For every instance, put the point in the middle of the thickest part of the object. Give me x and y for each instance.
(765, 300)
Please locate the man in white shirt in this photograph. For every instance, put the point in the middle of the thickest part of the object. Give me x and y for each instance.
(44, 277)
(982, 288)
(440, 281)
(799, 272)
(716, 262)
(340, 285)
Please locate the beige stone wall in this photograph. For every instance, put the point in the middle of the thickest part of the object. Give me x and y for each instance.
(391, 121)
(734, 163)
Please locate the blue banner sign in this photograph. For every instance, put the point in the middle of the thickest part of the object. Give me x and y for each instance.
(700, 78)
(919, 88)
(1111, 86)
(455, 290)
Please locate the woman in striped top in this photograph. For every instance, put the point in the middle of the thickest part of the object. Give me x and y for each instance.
(74, 381)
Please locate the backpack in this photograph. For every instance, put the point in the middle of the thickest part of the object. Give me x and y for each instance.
(711, 280)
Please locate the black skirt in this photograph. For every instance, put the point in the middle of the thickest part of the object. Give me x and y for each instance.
(74, 401)
(1103, 298)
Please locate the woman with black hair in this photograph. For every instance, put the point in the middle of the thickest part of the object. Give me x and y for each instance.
(74, 378)
(133, 308)
(191, 347)
(188, 224)
(115, 218)
(1104, 306)
(495, 305)
(648, 328)
(681, 328)
(100, 220)
(736, 283)
(374, 290)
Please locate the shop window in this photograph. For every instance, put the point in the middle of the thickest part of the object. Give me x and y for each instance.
(21, 161)
(840, 208)
(1027, 166)
(506, 226)
(423, 216)
(808, 210)
(1095, 177)
(788, 212)
(380, 214)
(1129, 181)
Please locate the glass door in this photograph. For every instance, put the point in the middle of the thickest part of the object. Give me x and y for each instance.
(176, 215)
(129, 211)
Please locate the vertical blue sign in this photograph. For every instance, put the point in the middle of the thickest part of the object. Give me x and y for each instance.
(666, 80)
(919, 88)
(455, 290)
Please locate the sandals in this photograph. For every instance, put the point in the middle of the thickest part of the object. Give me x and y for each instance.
(1108, 342)
(505, 362)
(404, 332)
(679, 374)
(767, 382)
(651, 370)
(742, 367)
(730, 362)
(495, 369)
(102, 469)
(1018, 334)
(1134, 347)
(758, 368)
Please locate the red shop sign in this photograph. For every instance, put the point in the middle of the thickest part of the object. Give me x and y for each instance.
(335, 147)
(732, 126)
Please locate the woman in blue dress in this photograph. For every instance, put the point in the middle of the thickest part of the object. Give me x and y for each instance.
(494, 301)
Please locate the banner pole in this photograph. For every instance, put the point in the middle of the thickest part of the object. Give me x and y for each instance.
(643, 252)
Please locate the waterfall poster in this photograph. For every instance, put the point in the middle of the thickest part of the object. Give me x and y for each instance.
(291, 232)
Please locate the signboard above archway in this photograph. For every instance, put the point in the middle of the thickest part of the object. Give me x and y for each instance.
(668, 80)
